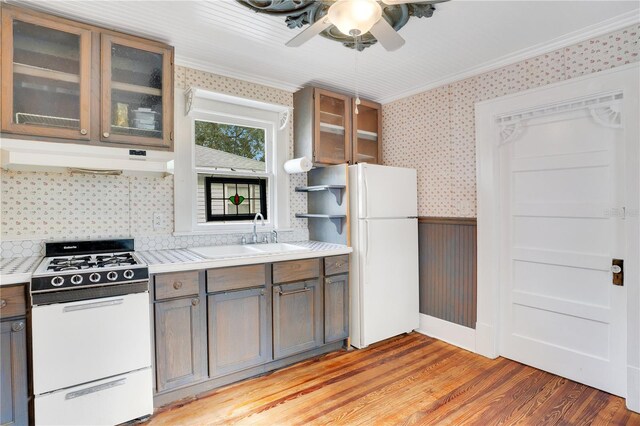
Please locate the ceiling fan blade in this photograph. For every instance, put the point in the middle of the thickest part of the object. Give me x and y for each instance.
(316, 28)
(386, 35)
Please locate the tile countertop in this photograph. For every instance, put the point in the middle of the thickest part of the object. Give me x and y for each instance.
(17, 270)
(160, 261)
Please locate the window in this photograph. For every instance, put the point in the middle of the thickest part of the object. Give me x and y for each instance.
(229, 153)
(231, 164)
(235, 198)
(230, 146)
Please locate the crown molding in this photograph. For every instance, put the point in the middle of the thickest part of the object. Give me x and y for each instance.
(230, 73)
(581, 35)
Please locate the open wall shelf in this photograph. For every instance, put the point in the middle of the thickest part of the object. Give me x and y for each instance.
(336, 190)
(336, 219)
(327, 204)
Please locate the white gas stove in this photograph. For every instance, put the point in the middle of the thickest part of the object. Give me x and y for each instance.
(91, 334)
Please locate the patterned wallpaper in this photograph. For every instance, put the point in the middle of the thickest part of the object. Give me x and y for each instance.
(38, 206)
(434, 131)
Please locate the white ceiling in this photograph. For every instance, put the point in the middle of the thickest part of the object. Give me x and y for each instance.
(461, 38)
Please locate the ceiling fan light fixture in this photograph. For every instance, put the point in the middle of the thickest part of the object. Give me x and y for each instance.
(354, 17)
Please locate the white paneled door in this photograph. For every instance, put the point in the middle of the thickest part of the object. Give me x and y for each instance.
(563, 221)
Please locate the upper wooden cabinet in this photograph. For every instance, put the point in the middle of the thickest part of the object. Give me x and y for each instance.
(327, 130)
(64, 80)
(322, 126)
(46, 76)
(136, 92)
(367, 131)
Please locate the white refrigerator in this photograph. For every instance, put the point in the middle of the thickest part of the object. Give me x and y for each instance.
(384, 265)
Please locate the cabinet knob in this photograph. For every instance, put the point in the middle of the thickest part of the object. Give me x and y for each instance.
(83, 131)
(3, 303)
(105, 134)
(177, 285)
(17, 326)
(195, 302)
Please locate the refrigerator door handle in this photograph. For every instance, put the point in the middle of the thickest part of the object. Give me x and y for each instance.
(366, 244)
(365, 193)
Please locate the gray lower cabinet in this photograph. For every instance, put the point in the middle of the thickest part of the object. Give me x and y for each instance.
(336, 308)
(297, 317)
(238, 330)
(180, 342)
(13, 365)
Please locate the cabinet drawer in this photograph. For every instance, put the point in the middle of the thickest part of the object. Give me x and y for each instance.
(176, 285)
(12, 301)
(336, 265)
(296, 270)
(233, 278)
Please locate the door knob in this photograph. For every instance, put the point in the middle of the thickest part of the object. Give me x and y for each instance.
(617, 268)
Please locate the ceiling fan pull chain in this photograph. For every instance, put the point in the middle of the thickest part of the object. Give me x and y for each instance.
(355, 48)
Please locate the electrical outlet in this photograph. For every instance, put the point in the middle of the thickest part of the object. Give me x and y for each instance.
(157, 221)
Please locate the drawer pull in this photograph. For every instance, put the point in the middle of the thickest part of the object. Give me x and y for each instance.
(287, 293)
(195, 302)
(339, 265)
(93, 305)
(94, 389)
(177, 285)
(83, 131)
(3, 303)
(17, 326)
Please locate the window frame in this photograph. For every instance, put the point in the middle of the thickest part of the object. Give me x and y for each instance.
(261, 182)
(268, 174)
(203, 104)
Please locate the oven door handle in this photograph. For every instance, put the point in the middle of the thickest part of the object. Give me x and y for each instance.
(93, 305)
(94, 389)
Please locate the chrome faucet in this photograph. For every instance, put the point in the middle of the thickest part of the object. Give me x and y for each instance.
(255, 223)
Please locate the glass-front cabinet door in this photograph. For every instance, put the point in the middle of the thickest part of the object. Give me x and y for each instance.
(367, 132)
(332, 128)
(46, 77)
(136, 93)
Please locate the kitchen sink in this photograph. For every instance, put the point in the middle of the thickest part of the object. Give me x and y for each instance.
(226, 251)
(214, 252)
(277, 248)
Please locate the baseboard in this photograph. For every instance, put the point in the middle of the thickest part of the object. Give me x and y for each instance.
(485, 341)
(458, 335)
(633, 388)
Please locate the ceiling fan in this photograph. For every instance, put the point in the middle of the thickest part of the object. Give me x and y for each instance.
(355, 18)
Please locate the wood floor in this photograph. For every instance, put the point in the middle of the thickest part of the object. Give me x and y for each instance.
(412, 379)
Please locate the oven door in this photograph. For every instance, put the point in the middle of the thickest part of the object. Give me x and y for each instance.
(79, 342)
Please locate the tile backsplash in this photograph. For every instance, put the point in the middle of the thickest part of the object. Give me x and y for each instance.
(45, 206)
(434, 131)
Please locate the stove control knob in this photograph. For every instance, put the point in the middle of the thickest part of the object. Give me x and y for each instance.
(112, 276)
(57, 281)
(128, 274)
(95, 277)
(76, 279)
